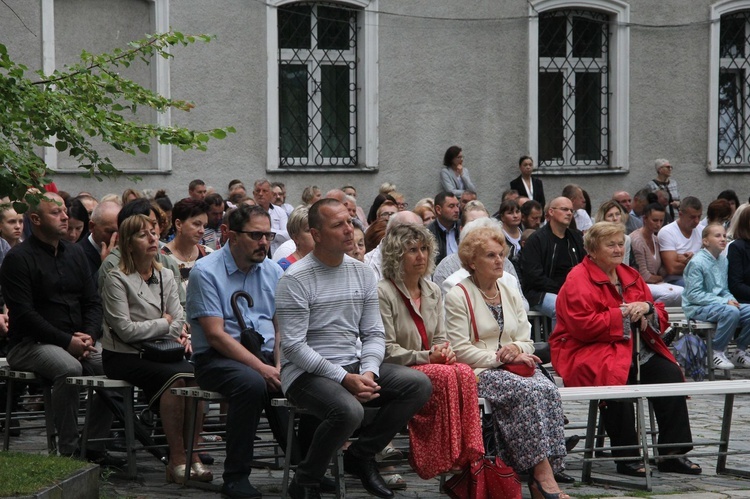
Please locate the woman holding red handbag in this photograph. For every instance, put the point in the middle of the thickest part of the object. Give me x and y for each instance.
(489, 330)
(446, 434)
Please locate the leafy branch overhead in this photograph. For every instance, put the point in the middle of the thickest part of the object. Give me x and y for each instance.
(69, 108)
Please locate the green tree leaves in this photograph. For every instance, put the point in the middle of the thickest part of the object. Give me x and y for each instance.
(69, 107)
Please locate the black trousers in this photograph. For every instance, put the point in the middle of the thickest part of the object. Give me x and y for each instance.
(671, 412)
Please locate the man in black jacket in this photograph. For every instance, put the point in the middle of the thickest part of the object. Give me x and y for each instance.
(101, 239)
(55, 318)
(548, 256)
(445, 226)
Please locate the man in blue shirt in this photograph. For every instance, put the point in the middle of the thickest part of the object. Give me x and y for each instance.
(222, 364)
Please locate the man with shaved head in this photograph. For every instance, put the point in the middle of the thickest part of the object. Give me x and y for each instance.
(55, 319)
(549, 254)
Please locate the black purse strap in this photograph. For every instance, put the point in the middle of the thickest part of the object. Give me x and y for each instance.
(161, 291)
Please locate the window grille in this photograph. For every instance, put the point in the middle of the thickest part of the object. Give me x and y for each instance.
(317, 85)
(734, 81)
(573, 89)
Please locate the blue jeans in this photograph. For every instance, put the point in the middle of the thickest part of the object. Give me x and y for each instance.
(727, 318)
(547, 307)
(403, 392)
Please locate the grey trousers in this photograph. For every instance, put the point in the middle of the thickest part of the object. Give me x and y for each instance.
(55, 364)
(403, 392)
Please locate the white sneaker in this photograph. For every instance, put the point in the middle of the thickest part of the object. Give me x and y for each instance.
(741, 359)
(721, 361)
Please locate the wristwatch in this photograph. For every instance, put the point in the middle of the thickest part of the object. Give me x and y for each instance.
(650, 308)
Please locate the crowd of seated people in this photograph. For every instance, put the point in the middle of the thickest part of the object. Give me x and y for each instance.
(443, 292)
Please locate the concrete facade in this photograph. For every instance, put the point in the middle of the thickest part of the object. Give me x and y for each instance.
(448, 73)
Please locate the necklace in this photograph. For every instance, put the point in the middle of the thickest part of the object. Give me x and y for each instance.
(181, 255)
(488, 298)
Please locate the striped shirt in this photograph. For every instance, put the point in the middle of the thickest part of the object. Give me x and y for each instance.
(321, 311)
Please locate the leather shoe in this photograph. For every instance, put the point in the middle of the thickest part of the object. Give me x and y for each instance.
(240, 489)
(105, 459)
(15, 427)
(118, 442)
(571, 442)
(327, 485)
(298, 491)
(564, 478)
(367, 472)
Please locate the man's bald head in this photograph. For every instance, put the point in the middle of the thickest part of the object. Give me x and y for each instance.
(624, 199)
(337, 194)
(403, 217)
(103, 222)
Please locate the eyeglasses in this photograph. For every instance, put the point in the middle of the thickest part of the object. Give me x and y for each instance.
(669, 167)
(402, 206)
(569, 210)
(257, 235)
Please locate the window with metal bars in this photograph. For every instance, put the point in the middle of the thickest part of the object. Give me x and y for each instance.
(317, 85)
(573, 94)
(734, 85)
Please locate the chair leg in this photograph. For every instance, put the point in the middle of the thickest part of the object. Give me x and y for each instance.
(641, 426)
(600, 435)
(87, 421)
(338, 470)
(652, 423)
(288, 453)
(590, 436)
(192, 421)
(130, 433)
(8, 399)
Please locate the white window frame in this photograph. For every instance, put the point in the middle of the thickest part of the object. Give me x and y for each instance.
(161, 155)
(367, 79)
(717, 10)
(619, 83)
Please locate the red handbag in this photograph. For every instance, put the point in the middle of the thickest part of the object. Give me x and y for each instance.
(486, 478)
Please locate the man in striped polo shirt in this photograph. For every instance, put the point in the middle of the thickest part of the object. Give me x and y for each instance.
(324, 302)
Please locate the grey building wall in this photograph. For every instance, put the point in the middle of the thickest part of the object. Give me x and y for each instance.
(442, 81)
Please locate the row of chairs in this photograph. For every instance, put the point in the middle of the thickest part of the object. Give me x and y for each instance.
(133, 430)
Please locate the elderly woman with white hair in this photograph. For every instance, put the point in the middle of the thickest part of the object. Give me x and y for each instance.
(489, 330)
(446, 433)
(609, 333)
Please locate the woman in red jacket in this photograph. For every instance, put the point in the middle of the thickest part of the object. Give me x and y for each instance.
(601, 310)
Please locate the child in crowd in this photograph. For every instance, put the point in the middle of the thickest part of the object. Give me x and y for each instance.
(11, 226)
(706, 297)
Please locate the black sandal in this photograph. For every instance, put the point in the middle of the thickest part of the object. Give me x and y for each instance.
(679, 465)
(632, 468)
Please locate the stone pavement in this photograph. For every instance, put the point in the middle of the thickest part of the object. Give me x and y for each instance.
(705, 413)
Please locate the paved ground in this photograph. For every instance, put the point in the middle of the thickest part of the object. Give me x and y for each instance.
(705, 412)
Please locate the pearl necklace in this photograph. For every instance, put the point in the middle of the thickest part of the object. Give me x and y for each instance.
(488, 298)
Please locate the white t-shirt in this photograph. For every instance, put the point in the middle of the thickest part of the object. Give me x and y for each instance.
(671, 239)
(583, 220)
